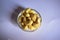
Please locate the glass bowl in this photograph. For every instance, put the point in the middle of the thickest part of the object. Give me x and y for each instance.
(19, 23)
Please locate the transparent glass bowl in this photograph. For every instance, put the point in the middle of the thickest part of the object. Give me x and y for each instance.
(20, 23)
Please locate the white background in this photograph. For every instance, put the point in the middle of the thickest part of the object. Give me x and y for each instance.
(50, 13)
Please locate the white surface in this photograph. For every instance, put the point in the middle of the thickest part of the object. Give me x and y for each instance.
(49, 10)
